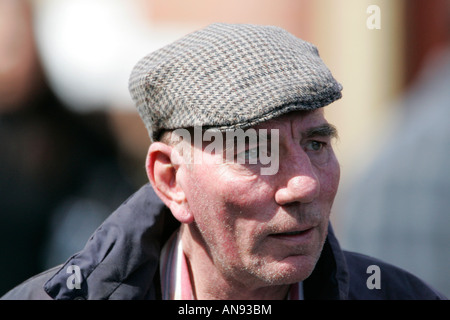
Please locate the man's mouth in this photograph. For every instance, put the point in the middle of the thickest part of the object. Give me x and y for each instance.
(293, 235)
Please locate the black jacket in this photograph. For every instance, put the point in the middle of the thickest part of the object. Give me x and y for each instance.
(120, 261)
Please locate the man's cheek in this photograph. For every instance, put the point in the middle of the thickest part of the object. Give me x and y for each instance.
(245, 190)
(221, 242)
(330, 180)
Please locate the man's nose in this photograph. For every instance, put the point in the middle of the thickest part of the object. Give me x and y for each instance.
(299, 182)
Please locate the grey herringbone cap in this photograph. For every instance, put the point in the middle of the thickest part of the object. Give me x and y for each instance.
(229, 76)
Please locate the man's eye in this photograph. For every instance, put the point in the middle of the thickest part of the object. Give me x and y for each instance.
(315, 146)
(318, 151)
(250, 155)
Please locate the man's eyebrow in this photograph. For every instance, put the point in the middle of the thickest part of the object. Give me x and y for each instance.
(324, 130)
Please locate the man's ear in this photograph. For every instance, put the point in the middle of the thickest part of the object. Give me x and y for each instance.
(162, 166)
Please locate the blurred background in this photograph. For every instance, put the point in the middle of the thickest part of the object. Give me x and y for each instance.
(72, 146)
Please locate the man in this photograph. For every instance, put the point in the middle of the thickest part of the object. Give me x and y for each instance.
(221, 105)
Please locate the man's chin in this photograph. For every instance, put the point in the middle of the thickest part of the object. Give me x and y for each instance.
(290, 270)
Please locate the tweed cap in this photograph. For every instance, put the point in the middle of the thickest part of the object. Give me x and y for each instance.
(229, 76)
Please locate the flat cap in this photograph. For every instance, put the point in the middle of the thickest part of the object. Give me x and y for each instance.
(229, 76)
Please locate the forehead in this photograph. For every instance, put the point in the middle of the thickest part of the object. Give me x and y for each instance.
(295, 119)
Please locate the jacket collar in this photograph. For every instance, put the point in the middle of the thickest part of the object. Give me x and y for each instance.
(330, 278)
(120, 260)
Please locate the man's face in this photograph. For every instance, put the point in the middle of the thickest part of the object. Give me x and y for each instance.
(262, 230)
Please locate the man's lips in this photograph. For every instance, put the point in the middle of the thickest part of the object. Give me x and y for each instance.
(295, 235)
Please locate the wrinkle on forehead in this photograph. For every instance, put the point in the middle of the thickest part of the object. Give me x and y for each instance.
(294, 119)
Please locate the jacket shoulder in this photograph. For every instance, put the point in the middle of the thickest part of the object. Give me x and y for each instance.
(33, 288)
(371, 278)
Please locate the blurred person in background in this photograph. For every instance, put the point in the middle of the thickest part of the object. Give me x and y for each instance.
(398, 209)
(57, 167)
